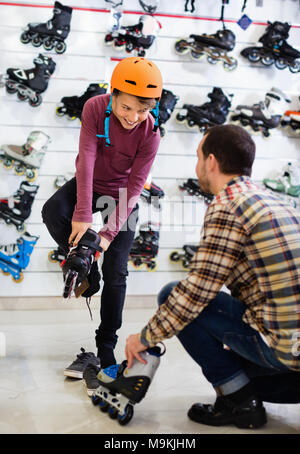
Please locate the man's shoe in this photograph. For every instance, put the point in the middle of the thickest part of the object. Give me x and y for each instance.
(249, 414)
(75, 370)
(90, 379)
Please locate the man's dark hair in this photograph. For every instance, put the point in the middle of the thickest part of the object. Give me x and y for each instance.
(233, 148)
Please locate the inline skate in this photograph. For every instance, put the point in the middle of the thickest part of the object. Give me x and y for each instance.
(144, 248)
(51, 33)
(192, 187)
(79, 261)
(214, 46)
(139, 37)
(60, 180)
(208, 114)
(30, 83)
(57, 255)
(14, 258)
(262, 116)
(149, 6)
(286, 183)
(274, 48)
(17, 208)
(73, 105)
(167, 104)
(152, 193)
(189, 251)
(291, 118)
(121, 388)
(28, 157)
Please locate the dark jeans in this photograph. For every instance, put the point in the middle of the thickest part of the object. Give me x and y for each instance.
(57, 215)
(249, 357)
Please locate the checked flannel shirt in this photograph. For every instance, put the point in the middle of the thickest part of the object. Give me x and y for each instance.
(250, 242)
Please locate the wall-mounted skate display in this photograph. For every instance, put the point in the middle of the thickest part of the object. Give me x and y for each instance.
(286, 183)
(291, 119)
(72, 106)
(51, 34)
(264, 115)
(192, 187)
(184, 257)
(27, 158)
(208, 114)
(167, 105)
(17, 208)
(14, 258)
(30, 83)
(274, 48)
(145, 247)
(214, 47)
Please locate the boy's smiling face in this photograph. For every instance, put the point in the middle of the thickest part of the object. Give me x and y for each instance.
(129, 110)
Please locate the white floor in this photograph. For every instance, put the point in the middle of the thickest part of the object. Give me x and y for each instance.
(35, 398)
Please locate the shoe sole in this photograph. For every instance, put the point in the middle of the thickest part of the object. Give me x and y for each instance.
(253, 421)
(73, 373)
(89, 391)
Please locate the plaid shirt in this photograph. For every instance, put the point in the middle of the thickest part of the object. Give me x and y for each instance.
(250, 242)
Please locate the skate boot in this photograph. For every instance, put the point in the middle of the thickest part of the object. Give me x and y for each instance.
(52, 33)
(287, 182)
(28, 157)
(57, 255)
(144, 248)
(214, 46)
(189, 251)
(14, 258)
(192, 187)
(291, 118)
(138, 38)
(121, 388)
(73, 105)
(274, 48)
(17, 208)
(209, 114)
(79, 261)
(152, 193)
(263, 116)
(166, 106)
(30, 83)
(149, 6)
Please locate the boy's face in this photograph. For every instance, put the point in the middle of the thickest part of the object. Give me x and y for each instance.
(128, 110)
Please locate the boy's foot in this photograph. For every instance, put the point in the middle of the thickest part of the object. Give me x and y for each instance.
(90, 379)
(75, 370)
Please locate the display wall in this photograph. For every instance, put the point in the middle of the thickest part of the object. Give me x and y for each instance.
(87, 60)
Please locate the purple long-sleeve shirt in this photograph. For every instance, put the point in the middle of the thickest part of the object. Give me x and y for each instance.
(106, 170)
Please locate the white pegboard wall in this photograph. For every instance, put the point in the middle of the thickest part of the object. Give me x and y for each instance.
(88, 60)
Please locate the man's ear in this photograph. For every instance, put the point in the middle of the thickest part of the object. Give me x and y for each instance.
(212, 162)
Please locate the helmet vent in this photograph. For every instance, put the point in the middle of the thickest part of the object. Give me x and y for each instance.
(151, 86)
(132, 82)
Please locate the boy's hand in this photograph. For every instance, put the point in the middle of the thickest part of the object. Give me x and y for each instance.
(78, 230)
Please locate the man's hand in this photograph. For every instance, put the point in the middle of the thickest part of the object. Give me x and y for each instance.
(133, 348)
(78, 230)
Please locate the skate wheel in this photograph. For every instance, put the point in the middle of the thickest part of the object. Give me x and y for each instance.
(52, 257)
(181, 47)
(185, 265)
(141, 53)
(162, 131)
(268, 60)
(10, 88)
(108, 40)
(254, 56)
(190, 124)
(126, 416)
(137, 265)
(112, 412)
(8, 163)
(230, 66)
(174, 256)
(281, 63)
(152, 266)
(20, 170)
(25, 38)
(212, 60)
(31, 175)
(36, 41)
(71, 118)
(60, 47)
(129, 48)
(21, 97)
(295, 67)
(196, 55)
(35, 102)
(95, 400)
(20, 279)
(6, 273)
(103, 406)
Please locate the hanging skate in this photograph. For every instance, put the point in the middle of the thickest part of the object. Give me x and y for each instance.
(189, 251)
(167, 104)
(121, 388)
(145, 246)
(286, 184)
(274, 48)
(291, 119)
(26, 158)
(192, 187)
(51, 34)
(152, 194)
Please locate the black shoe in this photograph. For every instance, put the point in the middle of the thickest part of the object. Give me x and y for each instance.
(90, 379)
(249, 414)
(75, 370)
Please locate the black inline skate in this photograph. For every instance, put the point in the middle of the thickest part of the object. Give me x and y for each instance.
(189, 251)
(274, 48)
(79, 261)
(263, 116)
(134, 37)
(57, 255)
(144, 248)
(152, 193)
(51, 33)
(214, 46)
(209, 114)
(121, 388)
(291, 118)
(192, 187)
(73, 105)
(167, 104)
(17, 208)
(30, 83)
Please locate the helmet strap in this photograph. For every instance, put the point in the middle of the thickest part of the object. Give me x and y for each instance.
(106, 123)
(155, 112)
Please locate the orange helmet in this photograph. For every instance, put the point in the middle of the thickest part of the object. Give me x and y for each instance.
(137, 76)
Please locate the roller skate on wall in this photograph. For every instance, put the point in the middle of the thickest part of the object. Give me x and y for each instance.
(152, 193)
(291, 118)
(274, 48)
(263, 116)
(121, 388)
(286, 183)
(72, 106)
(17, 208)
(14, 258)
(26, 158)
(60, 180)
(51, 34)
(214, 46)
(167, 104)
(57, 255)
(144, 248)
(192, 187)
(208, 114)
(185, 257)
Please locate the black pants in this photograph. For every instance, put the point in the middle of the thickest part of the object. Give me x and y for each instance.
(57, 215)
